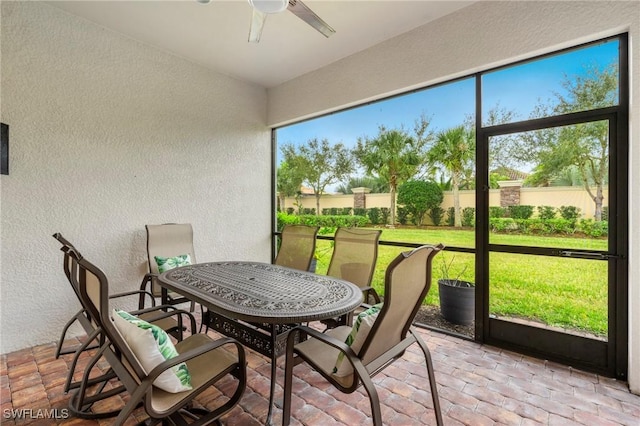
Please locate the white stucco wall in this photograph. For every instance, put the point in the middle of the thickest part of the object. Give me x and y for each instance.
(479, 37)
(107, 135)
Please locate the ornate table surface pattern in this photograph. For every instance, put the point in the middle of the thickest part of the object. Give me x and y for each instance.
(263, 292)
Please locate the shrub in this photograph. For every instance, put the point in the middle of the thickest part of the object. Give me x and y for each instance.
(495, 211)
(546, 212)
(385, 212)
(374, 215)
(451, 216)
(419, 196)
(403, 215)
(502, 224)
(290, 210)
(605, 213)
(346, 211)
(307, 210)
(334, 211)
(436, 214)
(468, 216)
(360, 211)
(532, 226)
(286, 219)
(328, 221)
(326, 212)
(520, 212)
(592, 228)
(415, 219)
(570, 212)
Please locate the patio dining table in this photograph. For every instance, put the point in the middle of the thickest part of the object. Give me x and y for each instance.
(258, 303)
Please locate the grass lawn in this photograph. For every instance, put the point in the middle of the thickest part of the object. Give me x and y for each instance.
(561, 292)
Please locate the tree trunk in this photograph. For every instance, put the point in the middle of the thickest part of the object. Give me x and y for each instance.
(392, 187)
(598, 200)
(455, 183)
(281, 199)
(317, 204)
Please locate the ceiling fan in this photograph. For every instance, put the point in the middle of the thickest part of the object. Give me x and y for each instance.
(262, 8)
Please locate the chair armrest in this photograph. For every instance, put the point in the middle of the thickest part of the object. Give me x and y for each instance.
(350, 355)
(146, 281)
(166, 311)
(196, 352)
(141, 293)
(329, 340)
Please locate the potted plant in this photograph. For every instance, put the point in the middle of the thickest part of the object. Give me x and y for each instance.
(457, 297)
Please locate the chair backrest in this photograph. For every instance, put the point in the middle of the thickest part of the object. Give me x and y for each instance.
(67, 264)
(407, 282)
(94, 296)
(70, 267)
(354, 255)
(168, 240)
(297, 246)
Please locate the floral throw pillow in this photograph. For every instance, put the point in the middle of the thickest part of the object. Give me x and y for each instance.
(359, 332)
(166, 263)
(151, 345)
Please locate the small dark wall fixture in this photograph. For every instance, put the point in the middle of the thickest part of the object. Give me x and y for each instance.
(4, 149)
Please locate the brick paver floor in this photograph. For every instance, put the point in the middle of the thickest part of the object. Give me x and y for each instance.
(478, 385)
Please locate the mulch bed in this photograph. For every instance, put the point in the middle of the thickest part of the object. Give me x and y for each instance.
(430, 315)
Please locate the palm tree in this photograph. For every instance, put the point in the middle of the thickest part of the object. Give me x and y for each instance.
(393, 156)
(375, 184)
(454, 150)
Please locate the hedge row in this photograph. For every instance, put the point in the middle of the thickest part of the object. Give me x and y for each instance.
(588, 227)
(322, 221)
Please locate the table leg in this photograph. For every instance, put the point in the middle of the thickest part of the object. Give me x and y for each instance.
(274, 358)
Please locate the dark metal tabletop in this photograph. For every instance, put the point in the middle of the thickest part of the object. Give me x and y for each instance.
(262, 292)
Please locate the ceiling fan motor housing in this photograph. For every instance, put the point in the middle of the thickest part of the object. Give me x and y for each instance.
(269, 6)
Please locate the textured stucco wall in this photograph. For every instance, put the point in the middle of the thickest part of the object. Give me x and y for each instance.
(475, 38)
(107, 135)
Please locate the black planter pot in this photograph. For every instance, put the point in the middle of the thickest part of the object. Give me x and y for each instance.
(457, 301)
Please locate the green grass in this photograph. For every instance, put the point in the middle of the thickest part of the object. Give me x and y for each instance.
(561, 292)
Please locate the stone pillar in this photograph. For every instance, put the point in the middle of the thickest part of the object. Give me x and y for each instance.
(510, 192)
(360, 197)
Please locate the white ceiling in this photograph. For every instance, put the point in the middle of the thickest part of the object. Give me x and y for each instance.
(215, 34)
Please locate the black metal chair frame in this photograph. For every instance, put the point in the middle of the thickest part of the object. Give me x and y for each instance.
(364, 371)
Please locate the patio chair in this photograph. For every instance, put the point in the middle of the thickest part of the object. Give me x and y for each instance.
(297, 246)
(350, 356)
(195, 363)
(354, 257)
(167, 324)
(171, 244)
(171, 321)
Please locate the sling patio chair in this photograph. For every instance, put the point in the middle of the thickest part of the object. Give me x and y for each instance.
(354, 257)
(167, 317)
(163, 377)
(169, 245)
(350, 356)
(167, 323)
(297, 246)
(355, 252)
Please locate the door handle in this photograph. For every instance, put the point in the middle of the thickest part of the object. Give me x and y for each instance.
(589, 255)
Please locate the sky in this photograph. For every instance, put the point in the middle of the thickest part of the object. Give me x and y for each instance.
(517, 88)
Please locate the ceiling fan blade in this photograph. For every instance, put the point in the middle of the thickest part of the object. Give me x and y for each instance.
(303, 12)
(257, 24)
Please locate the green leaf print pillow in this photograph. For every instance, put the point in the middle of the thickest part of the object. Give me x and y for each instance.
(166, 263)
(152, 346)
(359, 332)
